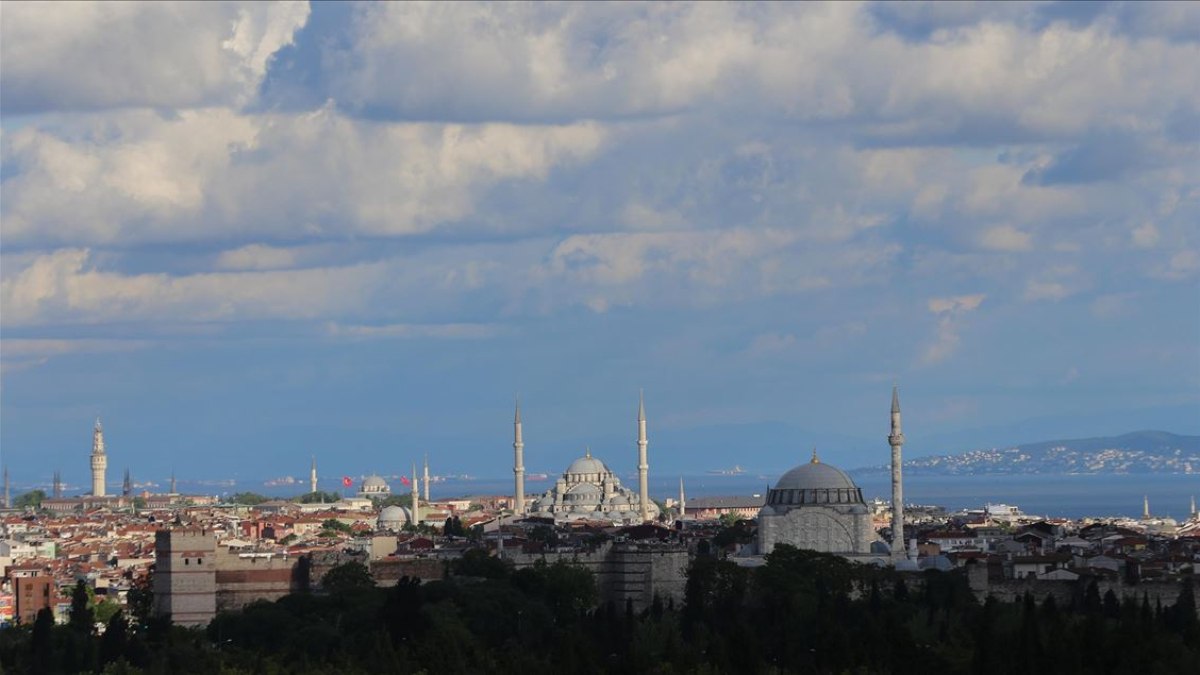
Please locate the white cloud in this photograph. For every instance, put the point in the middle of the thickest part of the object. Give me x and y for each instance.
(65, 287)
(949, 310)
(469, 331)
(1006, 238)
(1182, 265)
(801, 60)
(257, 257)
(1145, 235)
(1045, 290)
(216, 174)
(92, 55)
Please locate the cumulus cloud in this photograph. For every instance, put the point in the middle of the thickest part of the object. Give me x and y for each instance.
(949, 311)
(215, 174)
(1006, 238)
(468, 331)
(65, 287)
(1145, 235)
(806, 61)
(95, 55)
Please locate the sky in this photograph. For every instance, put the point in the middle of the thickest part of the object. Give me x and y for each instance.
(245, 234)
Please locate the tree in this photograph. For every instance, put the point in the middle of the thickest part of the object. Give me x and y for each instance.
(318, 497)
(335, 525)
(347, 577)
(477, 562)
(82, 617)
(32, 498)
(105, 610)
(247, 498)
(140, 600)
(112, 645)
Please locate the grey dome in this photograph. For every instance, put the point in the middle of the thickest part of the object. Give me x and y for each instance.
(392, 516)
(587, 464)
(374, 482)
(815, 476)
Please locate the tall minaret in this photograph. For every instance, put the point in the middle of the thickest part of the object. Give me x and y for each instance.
(896, 440)
(425, 478)
(99, 460)
(518, 464)
(57, 490)
(643, 466)
(1145, 507)
(173, 490)
(682, 500)
(416, 500)
(127, 484)
(312, 475)
(1193, 506)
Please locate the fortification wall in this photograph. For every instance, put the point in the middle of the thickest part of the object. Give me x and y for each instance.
(626, 572)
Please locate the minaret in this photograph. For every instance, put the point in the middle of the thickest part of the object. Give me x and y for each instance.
(518, 464)
(416, 501)
(99, 460)
(173, 491)
(1193, 506)
(312, 475)
(127, 484)
(896, 440)
(682, 500)
(1145, 507)
(643, 466)
(57, 490)
(425, 478)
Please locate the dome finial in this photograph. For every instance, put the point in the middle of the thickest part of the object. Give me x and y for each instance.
(815, 460)
(587, 451)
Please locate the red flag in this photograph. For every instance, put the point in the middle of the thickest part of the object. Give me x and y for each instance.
(405, 480)
(347, 481)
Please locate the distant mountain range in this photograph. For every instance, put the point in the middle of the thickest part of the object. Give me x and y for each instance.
(1137, 452)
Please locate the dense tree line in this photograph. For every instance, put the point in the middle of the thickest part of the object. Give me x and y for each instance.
(801, 612)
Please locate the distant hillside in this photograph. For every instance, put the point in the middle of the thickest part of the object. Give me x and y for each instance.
(1137, 452)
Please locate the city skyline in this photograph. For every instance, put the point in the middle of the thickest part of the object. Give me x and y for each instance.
(247, 234)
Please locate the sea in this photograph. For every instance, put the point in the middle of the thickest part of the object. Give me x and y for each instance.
(1067, 496)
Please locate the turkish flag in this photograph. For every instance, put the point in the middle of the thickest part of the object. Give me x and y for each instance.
(346, 481)
(405, 480)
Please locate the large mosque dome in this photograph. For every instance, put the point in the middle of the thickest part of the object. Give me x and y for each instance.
(587, 465)
(818, 507)
(815, 483)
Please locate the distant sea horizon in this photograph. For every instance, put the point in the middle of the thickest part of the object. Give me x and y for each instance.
(1051, 495)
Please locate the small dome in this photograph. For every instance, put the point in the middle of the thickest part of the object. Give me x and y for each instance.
(583, 489)
(374, 482)
(393, 517)
(587, 464)
(815, 476)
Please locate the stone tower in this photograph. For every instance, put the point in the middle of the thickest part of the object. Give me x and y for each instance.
(682, 500)
(425, 479)
(127, 484)
(896, 440)
(99, 460)
(312, 475)
(57, 490)
(643, 465)
(185, 581)
(416, 499)
(518, 464)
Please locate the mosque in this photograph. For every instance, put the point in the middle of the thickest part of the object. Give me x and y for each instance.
(588, 489)
(816, 506)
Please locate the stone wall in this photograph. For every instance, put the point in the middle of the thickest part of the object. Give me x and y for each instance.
(626, 571)
(185, 581)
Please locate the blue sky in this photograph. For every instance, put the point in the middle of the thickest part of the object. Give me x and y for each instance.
(244, 234)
